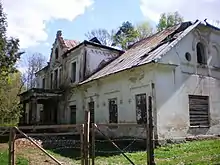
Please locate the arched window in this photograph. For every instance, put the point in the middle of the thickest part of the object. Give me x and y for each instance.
(56, 53)
(200, 49)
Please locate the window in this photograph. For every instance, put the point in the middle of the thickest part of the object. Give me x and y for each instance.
(141, 108)
(56, 78)
(43, 83)
(199, 110)
(91, 106)
(60, 76)
(51, 80)
(56, 53)
(73, 72)
(73, 114)
(200, 49)
(113, 110)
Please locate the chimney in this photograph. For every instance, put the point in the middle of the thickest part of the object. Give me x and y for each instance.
(59, 33)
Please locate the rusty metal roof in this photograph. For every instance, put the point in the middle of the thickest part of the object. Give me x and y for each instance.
(145, 51)
(70, 43)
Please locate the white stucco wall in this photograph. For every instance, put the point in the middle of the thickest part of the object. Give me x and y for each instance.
(123, 86)
(174, 85)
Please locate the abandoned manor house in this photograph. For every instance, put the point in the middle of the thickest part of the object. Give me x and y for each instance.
(178, 67)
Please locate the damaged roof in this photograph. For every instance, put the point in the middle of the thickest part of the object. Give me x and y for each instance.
(146, 51)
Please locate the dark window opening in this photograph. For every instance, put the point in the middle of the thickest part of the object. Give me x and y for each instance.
(92, 112)
(141, 108)
(60, 76)
(73, 72)
(199, 110)
(113, 110)
(51, 80)
(56, 78)
(73, 114)
(200, 49)
(43, 83)
(56, 53)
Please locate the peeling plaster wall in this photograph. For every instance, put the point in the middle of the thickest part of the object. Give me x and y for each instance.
(173, 86)
(123, 86)
(96, 58)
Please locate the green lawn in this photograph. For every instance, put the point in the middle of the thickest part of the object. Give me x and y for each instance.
(4, 159)
(190, 153)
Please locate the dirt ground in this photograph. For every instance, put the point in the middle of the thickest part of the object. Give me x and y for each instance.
(34, 155)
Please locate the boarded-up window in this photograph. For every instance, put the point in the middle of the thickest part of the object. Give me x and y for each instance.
(73, 114)
(199, 110)
(73, 72)
(113, 110)
(92, 111)
(141, 108)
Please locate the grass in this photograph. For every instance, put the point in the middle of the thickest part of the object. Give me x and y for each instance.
(190, 153)
(4, 159)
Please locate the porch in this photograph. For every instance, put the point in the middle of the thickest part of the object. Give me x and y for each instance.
(40, 106)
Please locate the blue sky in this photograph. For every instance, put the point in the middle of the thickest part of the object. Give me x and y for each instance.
(35, 22)
(102, 14)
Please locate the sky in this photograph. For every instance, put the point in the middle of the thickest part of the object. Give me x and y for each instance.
(35, 22)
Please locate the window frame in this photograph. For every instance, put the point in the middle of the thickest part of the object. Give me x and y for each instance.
(142, 120)
(72, 110)
(201, 53)
(73, 80)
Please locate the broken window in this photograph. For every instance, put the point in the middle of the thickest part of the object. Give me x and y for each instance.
(56, 78)
(56, 53)
(199, 110)
(91, 106)
(73, 114)
(51, 80)
(113, 110)
(200, 49)
(43, 83)
(73, 72)
(141, 108)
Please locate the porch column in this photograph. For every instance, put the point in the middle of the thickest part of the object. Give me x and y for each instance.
(33, 111)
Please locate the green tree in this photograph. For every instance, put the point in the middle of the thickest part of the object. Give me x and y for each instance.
(144, 30)
(168, 20)
(125, 36)
(9, 77)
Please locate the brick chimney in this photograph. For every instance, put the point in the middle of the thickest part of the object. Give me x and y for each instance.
(59, 33)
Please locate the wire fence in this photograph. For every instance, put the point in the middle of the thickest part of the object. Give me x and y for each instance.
(117, 140)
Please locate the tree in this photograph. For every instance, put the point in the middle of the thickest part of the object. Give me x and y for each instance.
(102, 35)
(10, 109)
(9, 48)
(33, 64)
(9, 76)
(144, 30)
(168, 20)
(125, 36)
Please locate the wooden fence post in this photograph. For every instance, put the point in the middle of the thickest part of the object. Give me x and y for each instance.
(11, 152)
(82, 145)
(150, 134)
(93, 144)
(86, 133)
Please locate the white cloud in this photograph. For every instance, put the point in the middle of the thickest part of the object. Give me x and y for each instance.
(190, 10)
(27, 18)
